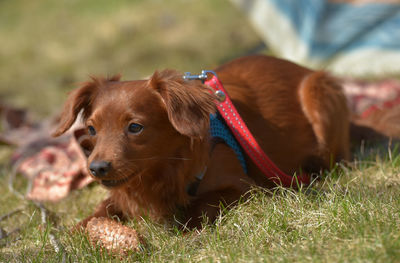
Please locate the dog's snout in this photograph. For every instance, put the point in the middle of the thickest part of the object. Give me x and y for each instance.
(99, 168)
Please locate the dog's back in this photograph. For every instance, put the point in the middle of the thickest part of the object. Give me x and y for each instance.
(298, 116)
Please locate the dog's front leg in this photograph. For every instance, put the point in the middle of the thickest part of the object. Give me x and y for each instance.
(222, 185)
(208, 206)
(106, 208)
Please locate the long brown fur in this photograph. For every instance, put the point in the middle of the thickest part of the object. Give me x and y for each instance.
(298, 116)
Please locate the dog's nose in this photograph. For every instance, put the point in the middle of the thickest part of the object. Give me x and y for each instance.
(99, 168)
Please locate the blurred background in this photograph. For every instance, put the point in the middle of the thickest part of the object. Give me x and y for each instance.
(48, 47)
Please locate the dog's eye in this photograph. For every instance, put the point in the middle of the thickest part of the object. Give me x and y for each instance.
(91, 130)
(135, 128)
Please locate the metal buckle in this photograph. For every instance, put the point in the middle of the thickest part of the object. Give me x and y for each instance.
(203, 76)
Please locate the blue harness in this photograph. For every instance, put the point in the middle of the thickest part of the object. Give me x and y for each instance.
(220, 133)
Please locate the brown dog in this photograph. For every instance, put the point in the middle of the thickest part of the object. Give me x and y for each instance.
(150, 138)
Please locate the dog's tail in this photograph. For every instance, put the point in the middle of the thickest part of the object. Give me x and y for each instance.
(324, 104)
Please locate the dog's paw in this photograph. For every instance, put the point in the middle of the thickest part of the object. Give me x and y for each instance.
(112, 236)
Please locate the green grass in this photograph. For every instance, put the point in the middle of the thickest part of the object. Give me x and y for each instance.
(352, 215)
(48, 46)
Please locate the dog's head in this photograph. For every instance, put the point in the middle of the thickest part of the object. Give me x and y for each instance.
(137, 126)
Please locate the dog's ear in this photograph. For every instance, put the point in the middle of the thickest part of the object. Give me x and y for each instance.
(188, 103)
(77, 100)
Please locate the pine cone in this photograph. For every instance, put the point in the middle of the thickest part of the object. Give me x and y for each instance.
(112, 235)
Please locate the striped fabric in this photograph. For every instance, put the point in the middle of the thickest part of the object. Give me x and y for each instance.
(349, 38)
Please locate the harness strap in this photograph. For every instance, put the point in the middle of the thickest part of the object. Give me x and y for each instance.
(243, 135)
(191, 188)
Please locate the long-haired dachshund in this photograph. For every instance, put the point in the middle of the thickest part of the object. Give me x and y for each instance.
(149, 139)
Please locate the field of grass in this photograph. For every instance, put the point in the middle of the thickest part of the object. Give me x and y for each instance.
(352, 215)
